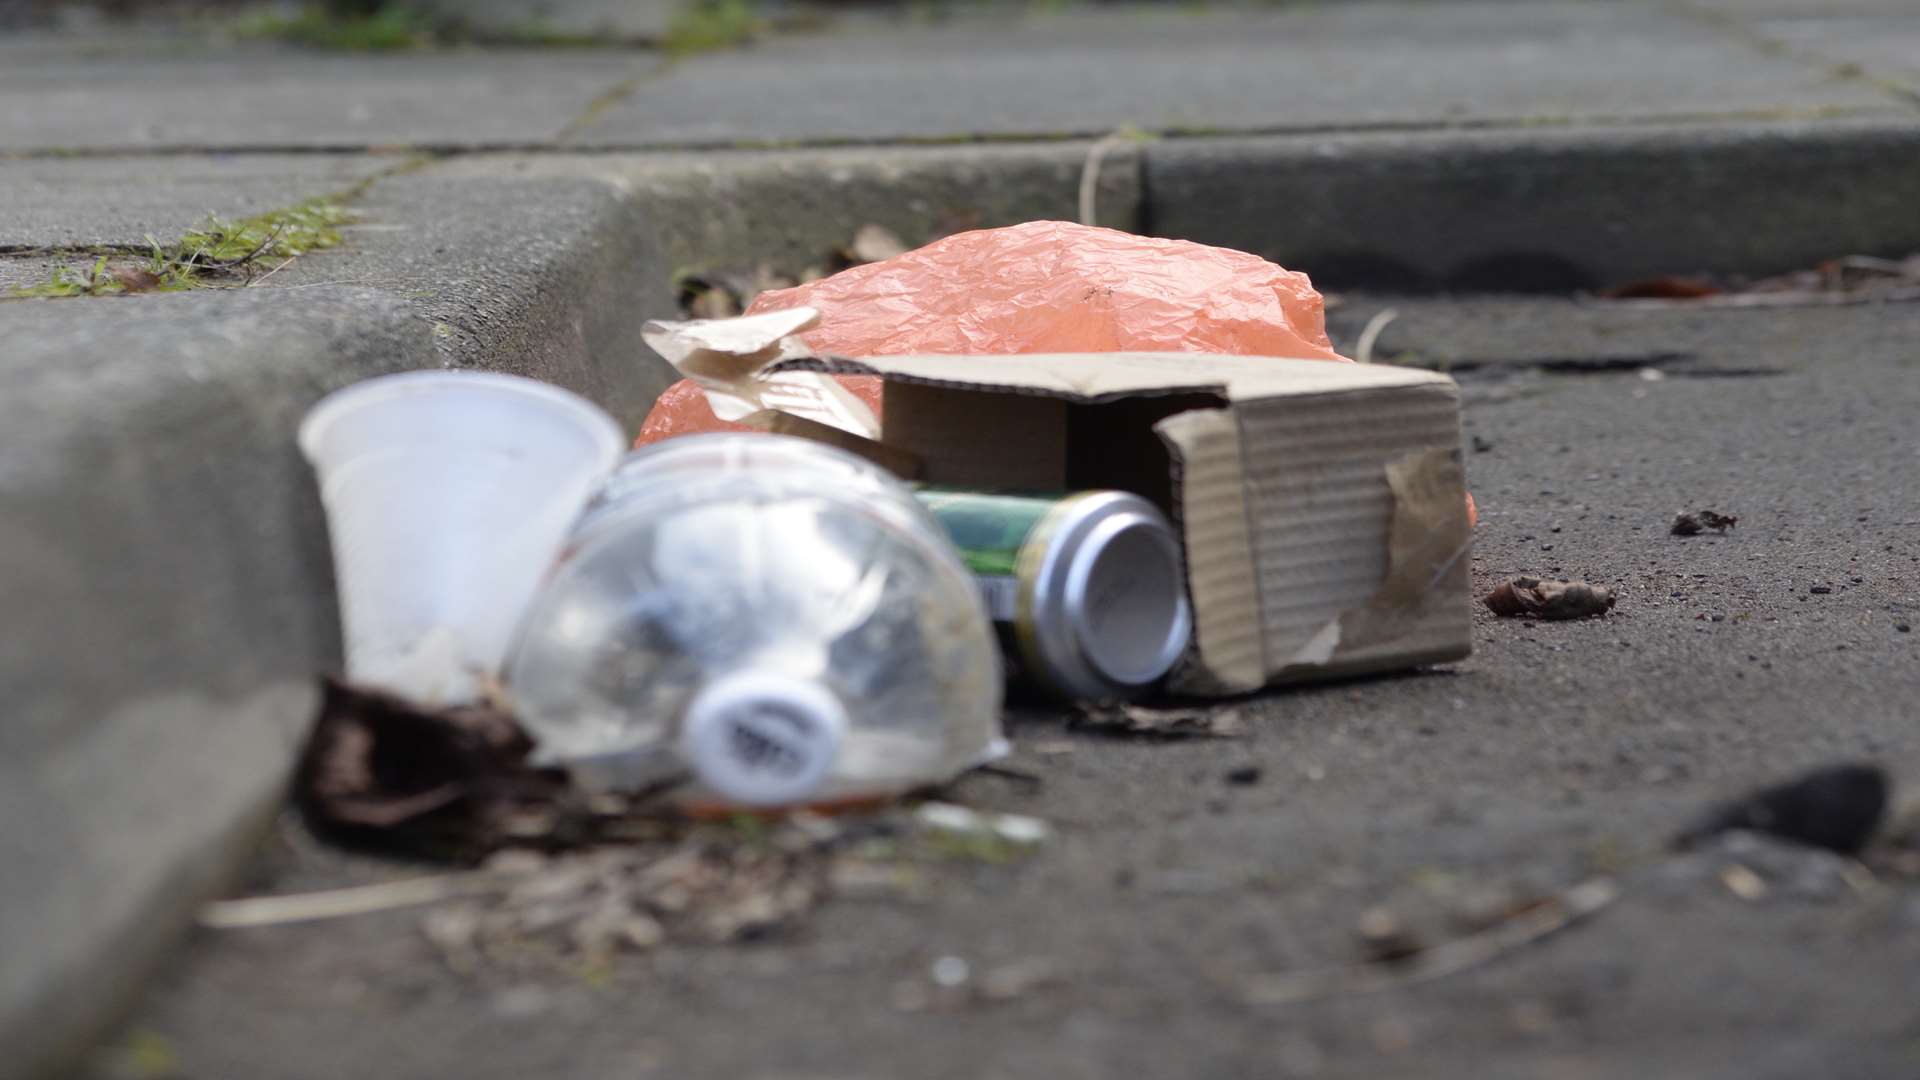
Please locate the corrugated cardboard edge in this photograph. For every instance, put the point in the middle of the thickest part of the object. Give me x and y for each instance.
(1229, 649)
(1427, 581)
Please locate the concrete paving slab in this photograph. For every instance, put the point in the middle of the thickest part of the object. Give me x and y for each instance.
(1796, 9)
(249, 96)
(1883, 47)
(600, 20)
(1293, 68)
(119, 201)
(164, 543)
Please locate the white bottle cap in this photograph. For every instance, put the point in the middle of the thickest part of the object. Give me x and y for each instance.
(763, 739)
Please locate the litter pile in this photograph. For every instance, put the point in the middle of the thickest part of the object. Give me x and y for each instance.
(737, 619)
(568, 660)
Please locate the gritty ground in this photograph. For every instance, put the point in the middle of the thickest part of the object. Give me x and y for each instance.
(1559, 751)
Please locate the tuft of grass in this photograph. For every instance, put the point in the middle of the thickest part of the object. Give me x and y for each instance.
(109, 279)
(385, 29)
(283, 234)
(217, 252)
(706, 25)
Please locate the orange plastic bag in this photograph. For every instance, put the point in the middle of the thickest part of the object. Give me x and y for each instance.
(1045, 286)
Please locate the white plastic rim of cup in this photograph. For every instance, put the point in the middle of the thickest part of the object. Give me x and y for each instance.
(448, 496)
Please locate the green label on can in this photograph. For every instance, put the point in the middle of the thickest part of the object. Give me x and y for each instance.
(989, 530)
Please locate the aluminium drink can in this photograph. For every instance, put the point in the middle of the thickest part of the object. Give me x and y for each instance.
(1086, 590)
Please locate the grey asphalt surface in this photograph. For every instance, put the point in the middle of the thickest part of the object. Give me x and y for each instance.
(1557, 752)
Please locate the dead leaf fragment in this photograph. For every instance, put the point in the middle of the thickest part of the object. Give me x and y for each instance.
(1538, 921)
(381, 770)
(1663, 288)
(875, 243)
(134, 279)
(1693, 524)
(1850, 279)
(713, 304)
(1537, 599)
(1123, 719)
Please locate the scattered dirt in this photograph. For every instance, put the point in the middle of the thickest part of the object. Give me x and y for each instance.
(1177, 723)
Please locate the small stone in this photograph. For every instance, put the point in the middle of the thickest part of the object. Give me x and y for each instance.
(1743, 883)
(1385, 939)
(1838, 808)
(950, 971)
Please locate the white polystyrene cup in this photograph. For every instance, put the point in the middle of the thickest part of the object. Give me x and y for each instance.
(448, 496)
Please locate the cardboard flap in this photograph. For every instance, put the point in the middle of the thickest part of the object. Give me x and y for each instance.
(733, 360)
(1092, 377)
(1205, 444)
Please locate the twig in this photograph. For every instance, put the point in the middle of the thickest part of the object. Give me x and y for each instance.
(339, 903)
(1563, 910)
(270, 273)
(272, 235)
(1090, 175)
(1363, 352)
(1008, 772)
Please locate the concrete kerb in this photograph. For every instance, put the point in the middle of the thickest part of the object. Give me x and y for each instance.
(1548, 209)
(169, 526)
(165, 565)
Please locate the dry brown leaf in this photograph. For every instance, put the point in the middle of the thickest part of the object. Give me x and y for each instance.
(1693, 524)
(1536, 599)
(1213, 722)
(134, 279)
(1663, 288)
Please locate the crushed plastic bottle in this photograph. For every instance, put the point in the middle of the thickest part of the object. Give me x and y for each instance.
(775, 618)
